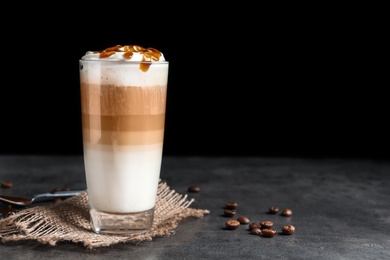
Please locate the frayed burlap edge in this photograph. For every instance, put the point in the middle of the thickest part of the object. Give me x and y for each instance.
(68, 221)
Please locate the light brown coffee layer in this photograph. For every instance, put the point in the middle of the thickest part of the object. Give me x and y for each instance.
(123, 123)
(122, 116)
(119, 100)
(92, 136)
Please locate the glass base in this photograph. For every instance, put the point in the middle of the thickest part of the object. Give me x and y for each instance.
(121, 223)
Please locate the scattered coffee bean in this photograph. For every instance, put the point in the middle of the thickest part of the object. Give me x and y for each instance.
(243, 220)
(194, 188)
(266, 224)
(288, 229)
(229, 212)
(287, 212)
(231, 205)
(6, 184)
(256, 231)
(232, 224)
(267, 232)
(263, 228)
(273, 210)
(254, 225)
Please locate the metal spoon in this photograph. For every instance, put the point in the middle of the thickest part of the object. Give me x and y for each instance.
(39, 197)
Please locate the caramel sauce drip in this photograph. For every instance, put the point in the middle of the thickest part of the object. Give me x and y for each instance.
(148, 54)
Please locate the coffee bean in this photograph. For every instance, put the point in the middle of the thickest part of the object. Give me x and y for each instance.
(273, 210)
(287, 212)
(194, 188)
(254, 225)
(229, 212)
(256, 231)
(267, 232)
(6, 184)
(232, 224)
(231, 205)
(243, 220)
(288, 229)
(266, 224)
(6, 212)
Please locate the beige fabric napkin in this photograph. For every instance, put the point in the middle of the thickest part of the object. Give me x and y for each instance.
(69, 221)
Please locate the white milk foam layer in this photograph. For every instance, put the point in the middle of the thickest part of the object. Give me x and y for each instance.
(122, 181)
(123, 73)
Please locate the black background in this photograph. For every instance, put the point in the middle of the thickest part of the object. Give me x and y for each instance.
(242, 81)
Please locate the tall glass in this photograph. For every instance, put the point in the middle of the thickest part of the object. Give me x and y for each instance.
(123, 116)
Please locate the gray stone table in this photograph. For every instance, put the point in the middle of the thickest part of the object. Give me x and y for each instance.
(341, 208)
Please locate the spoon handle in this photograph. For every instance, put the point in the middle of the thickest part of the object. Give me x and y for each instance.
(56, 194)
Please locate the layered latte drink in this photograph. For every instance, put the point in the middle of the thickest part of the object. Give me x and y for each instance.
(123, 100)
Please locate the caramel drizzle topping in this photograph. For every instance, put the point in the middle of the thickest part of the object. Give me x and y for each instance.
(148, 54)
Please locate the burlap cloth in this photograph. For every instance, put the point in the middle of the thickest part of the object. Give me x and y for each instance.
(68, 221)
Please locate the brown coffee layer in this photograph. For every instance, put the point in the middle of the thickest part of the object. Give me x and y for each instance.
(114, 138)
(121, 116)
(122, 100)
(123, 123)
